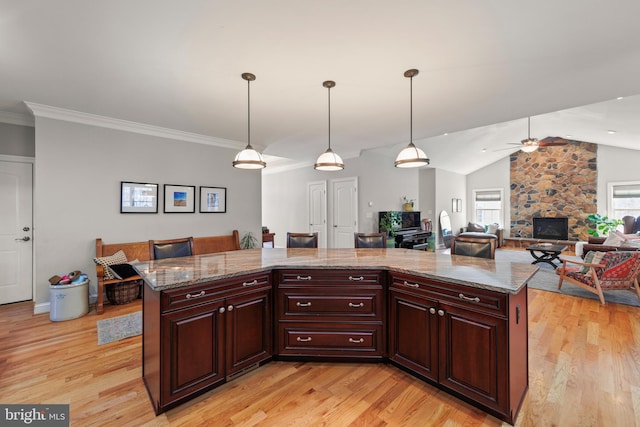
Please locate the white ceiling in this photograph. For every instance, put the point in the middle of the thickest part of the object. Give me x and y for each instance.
(177, 65)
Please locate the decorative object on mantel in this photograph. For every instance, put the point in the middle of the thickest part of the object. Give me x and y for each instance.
(213, 199)
(179, 198)
(249, 158)
(138, 197)
(329, 161)
(602, 225)
(411, 156)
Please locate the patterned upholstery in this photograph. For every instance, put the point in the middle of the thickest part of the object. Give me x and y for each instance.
(615, 271)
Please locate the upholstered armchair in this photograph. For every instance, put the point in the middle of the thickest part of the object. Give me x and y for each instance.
(602, 271)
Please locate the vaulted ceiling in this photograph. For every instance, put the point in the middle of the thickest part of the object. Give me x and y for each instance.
(484, 67)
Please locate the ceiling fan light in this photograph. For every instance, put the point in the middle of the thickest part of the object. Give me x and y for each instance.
(411, 157)
(249, 159)
(529, 145)
(329, 162)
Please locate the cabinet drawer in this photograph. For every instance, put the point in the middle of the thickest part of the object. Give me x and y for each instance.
(327, 304)
(199, 294)
(339, 341)
(469, 297)
(329, 277)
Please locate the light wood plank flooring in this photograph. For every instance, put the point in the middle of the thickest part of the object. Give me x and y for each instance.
(584, 370)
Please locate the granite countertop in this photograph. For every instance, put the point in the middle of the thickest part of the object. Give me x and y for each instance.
(498, 276)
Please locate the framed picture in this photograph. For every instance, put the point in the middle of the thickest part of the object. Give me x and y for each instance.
(138, 197)
(213, 199)
(179, 198)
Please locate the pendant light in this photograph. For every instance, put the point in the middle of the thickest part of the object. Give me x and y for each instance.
(411, 156)
(329, 161)
(249, 158)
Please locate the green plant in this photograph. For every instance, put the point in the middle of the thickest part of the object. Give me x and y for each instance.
(391, 221)
(602, 225)
(248, 241)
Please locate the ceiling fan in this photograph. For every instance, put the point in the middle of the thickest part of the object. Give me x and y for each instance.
(530, 145)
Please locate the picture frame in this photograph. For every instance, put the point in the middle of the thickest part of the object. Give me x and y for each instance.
(456, 205)
(179, 198)
(138, 197)
(213, 199)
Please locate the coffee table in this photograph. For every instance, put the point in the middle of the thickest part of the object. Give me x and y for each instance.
(549, 253)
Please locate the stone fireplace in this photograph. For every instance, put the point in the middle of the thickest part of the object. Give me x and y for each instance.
(556, 181)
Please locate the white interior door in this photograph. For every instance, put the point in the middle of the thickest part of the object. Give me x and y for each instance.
(345, 211)
(317, 198)
(16, 247)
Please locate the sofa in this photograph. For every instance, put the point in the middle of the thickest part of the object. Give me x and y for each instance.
(489, 231)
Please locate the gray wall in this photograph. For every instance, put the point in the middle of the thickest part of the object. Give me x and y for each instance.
(615, 165)
(78, 170)
(496, 175)
(17, 140)
(379, 183)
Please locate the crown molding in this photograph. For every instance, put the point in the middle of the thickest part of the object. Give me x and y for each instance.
(47, 111)
(16, 119)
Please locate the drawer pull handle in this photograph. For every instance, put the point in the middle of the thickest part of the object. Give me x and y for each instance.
(466, 298)
(359, 305)
(300, 339)
(358, 341)
(411, 285)
(198, 295)
(356, 279)
(303, 304)
(303, 277)
(255, 282)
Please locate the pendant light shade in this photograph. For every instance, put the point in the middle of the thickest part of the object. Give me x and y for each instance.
(411, 156)
(249, 158)
(329, 161)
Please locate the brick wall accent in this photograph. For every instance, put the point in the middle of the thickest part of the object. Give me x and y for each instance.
(556, 181)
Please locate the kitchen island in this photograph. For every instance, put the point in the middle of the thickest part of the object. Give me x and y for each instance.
(459, 323)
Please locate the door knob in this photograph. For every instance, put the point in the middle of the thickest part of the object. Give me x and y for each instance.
(25, 229)
(24, 239)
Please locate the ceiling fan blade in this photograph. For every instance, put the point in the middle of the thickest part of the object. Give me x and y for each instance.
(552, 141)
(552, 144)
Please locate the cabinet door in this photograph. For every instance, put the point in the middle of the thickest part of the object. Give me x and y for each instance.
(192, 350)
(249, 326)
(413, 333)
(473, 355)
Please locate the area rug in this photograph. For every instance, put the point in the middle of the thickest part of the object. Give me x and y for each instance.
(120, 327)
(547, 280)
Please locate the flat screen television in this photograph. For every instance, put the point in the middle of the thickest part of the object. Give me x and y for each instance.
(552, 228)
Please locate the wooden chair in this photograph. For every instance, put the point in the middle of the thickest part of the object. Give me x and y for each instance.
(369, 240)
(613, 271)
(481, 247)
(173, 248)
(302, 240)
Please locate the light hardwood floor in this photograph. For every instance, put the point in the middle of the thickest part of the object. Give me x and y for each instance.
(584, 370)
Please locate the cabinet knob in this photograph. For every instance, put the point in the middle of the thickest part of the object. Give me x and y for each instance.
(230, 308)
(221, 310)
(432, 310)
(440, 313)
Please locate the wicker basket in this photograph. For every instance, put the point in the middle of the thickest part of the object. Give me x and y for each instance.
(123, 293)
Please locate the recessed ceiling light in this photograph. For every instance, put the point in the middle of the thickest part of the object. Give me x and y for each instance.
(445, 134)
(568, 136)
(611, 132)
(619, 98)
(484, 150)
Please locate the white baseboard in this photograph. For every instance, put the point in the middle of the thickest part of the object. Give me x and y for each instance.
(44, 307)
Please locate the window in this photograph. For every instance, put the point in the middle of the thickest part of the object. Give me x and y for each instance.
(488, 207)
(624, 199)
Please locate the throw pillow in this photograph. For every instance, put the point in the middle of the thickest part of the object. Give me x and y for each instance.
(492, 228)
(592, 257)
(122, 271)
(117, 258)
(476, 228)
(613, 240)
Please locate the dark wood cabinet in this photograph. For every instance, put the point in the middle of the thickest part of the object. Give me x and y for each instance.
(330, 313)
(466, 340)
(206, 334)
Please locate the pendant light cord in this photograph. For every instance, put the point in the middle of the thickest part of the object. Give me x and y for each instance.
(248, 113)
(329, 98)
(411, 110)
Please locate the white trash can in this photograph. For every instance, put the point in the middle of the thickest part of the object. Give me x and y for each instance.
(68, 301)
